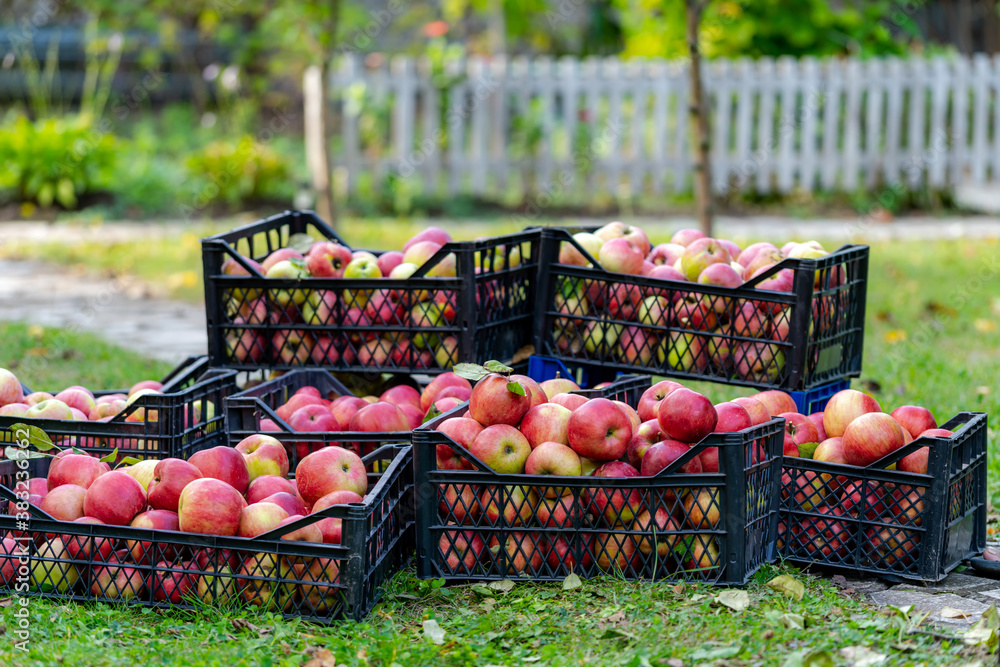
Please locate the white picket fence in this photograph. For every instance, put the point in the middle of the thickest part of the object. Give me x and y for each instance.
(579, 128)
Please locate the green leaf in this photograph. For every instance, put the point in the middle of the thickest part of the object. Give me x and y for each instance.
(516, 388)
(36, 437)
(614, 633)
(471, 372)
(735, 599)
(990, 618)
(497, 367)
(814, 658)
(806, 449)
(793, 621)
(15, 453)
(110, 458)
(788, 585)
(301, 242)
(480, 589)
(433, 631)
(715, 653)
(504, 585)
(129, 461)
(432, 412)
(571, 581)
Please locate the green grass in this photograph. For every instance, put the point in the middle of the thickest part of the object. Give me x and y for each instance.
(603, 622)
(47, 359)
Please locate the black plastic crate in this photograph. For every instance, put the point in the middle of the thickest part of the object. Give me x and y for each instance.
(189, 417)
(794, 340)
(887, 522)
(315, 582)
(246, 409)
(484, 312)
(454, 534)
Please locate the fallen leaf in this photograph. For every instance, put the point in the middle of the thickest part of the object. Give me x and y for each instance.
(480, 589)
(736, 600)
(715, 653)
(860, 656)
(990, 618)
(504, 585)
(571, 581)
(616, 617)
(697, 597)
(678, 589)
(615, 633)
(788, 585)
(951, 612)
(793, 621)
(321, 657)
(814, 658)
(433, 631)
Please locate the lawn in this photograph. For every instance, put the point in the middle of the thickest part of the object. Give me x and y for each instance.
(932, 338)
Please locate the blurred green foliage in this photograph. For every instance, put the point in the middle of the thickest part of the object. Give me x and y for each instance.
(242, 171)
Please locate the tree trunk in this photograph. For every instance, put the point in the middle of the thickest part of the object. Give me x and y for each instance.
(699, 119)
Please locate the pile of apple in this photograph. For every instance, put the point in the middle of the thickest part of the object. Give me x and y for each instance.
(854, 431)
(373, 308)
(691, 257)
(75, 403)
(242, 491)
(550, 433)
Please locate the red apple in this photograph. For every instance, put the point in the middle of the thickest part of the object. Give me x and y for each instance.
(223, 463)
(776, 402)
(618, 506)
(85, 548)
(553, 458)
(633, 416)
(558, 386)
(562, 512)
(463, 431)
(564, 555)
(401, 394)
(117, 581)
(78, 469)
(439, 383)
(297, 402)
(831, 450)
(458, 503)
(331, 527)
(171, 586)
(461, 550)
(379, 417)
(142, 551)
(569, 401)
(508, 505)
(521, 551)
(651, 398)
(660, 525)
(662, 454)
(503, 448)
(65, 502)
(870, 437)
(644, 437)
(599, 430)
(327, 470)
(493, 403)
(702, 508)
(210, 506)
(289, 502)
(914, 419)
(114, 498)
(817, 419)
(315, 418)
(758, 412)
(798, 431)
(685, 237)
(268, 485)
(548, 422)
(615, 552)
(844, 407)
(169, 478)
(687, 416)
(732, 418)
(666, 254)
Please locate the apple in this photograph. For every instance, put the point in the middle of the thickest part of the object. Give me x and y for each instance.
(438, 384)
(654, 310)
(400, 395)
(78, 469)
(268, 485)
(345, 407)
(616, 230)
(16, 409)
(51, 570)
(10, 388)
(799, 430)
(313, 418)
(651, 398)
(264, 455)
(77, 398)
(420, 252)
(759, 362)
(553, 458)
(223, 463)
(621, 256)
(666, 254)
(503, 448)
(388, 261)
(293, 269)
(37, 397)
(668, 273)
(461, 550)
(776, 402)
(49, 409)
(599, 430)
(828, 537)
(618, 506)
(817, 419)
(702, 509)
(548, 422)
(461, 393)
(327, 260)
(210, 506)
(832, 451)
(522, 553)
(363, 268)
(855, 500)
(508, 505)
(557, 386)
(531, 388)
(568, 254)
(172, 583)
(806, 488)
(914, 419)
(435, 234)
(289, 502)
(751, 251)
(564, 555)
(722, 275)
(115, 498)
(633, 416)
(332, 528)
(907, 506)
(687, 416)
(644, 437)
(217, 586)
(463, 431)
(561, 512)
(140, 550)
(279, 255)
(871, 436)
(402, 271)
(844, 407)
(660, 525)
(614, 552)
(700, 254)
(662, 454)
(569, 401)
(685, 237)
(327, 470)
(891, 547)
(683, 352)
(636, 346)
(169, 479)
(379, 417)
(65, 502)
(917, 461)
(493, 403)
(732, 418)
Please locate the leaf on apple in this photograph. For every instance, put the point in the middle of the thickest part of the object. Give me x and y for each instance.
(110, 458)
(35, 436)
(788, 585)
(471, 372)
(571, 581)
(497, 367)
(130, 461)
(516, 388)
(807, 449)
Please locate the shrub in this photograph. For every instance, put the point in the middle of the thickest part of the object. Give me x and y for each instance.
(235, 172)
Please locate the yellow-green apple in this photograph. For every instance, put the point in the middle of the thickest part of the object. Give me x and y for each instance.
(420, 252)
(223, 463)
(557, 386)
(685, 237)
(687, 416)
(115, 498)
(327, 470)
(760, 362)
(400, 394)
(365, 268)
(10, 388)
(700, 254)
(51, 570)
(662, 454)
(459, 503)
(172, 582)
(633, 416)
(268, 485)
(65, 502)
(141, 551)
(319, 307)
(294, 269)
(84, 547)
(379, 417)
(79, 469)
(562, 512)
(107, 409)
(521, 552)
(844, 407)
(492, 402)
(508, 505)
(345, 407)
(426, 314)
(644, 437)
(210, 506)
(327, 260)
(555, 459)
(501, 447)
(293, 346)
(568, 254)
(614, 552)
(617, 505)
(799, 430)
(290, 502)
(446, 267)
(169, 479)
(446, 354)
(260, 518)
(76, 398)
(461, 550)
(548, 422)
(403, 271)
(683, 352)
(599, 430)
(654, 310)
(914, 419)
(217, 586)
(621, 256)
(49, 409)
(142, 472)
(722, 275)
(280, 255)
(264, 455)
(701, 508)
(661, 527)
(569, 401)
(666, 254)
(870, 437)
(438, 384)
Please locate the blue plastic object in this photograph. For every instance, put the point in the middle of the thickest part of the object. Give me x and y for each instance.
(815, 399)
